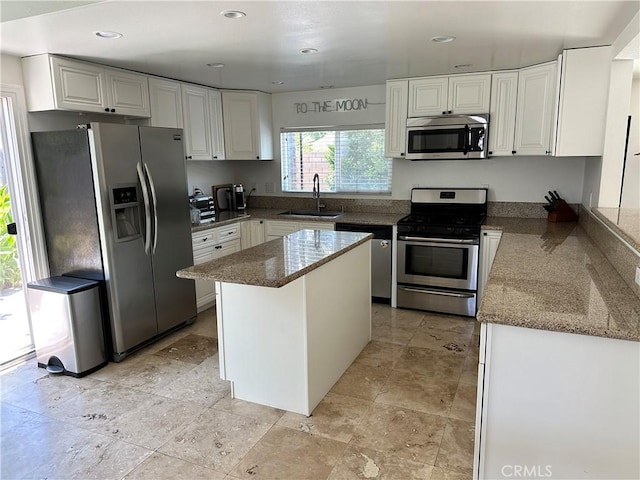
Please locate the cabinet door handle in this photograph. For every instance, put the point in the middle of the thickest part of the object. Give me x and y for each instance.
(205, 239)
(444, 113)
(218, 247)
(215, 157)
(258, 157)
(402, 154)
(106, 109)
(113, 110)
(547, 152)
(513, 152)
(189, 157)
(490, 153)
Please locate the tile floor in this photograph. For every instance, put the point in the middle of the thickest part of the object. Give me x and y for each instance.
(404, 409)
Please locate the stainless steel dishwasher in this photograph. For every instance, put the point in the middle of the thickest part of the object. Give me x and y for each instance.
(381, 255)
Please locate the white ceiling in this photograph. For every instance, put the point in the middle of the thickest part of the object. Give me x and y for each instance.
(359, 42)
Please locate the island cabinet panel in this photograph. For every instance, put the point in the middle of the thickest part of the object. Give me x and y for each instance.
(561, 403)
(286, 347)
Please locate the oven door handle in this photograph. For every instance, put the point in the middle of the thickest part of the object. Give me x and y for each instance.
(437, 292)
(465, 241)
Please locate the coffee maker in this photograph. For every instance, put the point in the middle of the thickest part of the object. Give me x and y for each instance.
(238, 200)
(229, 197)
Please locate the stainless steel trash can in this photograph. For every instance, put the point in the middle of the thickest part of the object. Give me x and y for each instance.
(67, 325)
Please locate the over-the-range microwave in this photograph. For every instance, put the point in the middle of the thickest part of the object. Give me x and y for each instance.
(447, 137)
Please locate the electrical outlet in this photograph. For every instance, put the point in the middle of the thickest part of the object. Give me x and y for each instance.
(638, 275)
(253, 186)
(270, 187)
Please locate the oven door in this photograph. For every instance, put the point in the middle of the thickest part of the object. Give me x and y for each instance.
(434, 262)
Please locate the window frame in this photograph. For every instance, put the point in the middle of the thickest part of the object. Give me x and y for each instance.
(337, 128)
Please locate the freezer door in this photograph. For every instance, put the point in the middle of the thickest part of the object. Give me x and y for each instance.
(115, 153)
(163, 159)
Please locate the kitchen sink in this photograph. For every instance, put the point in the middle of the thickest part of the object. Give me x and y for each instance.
(312, 213)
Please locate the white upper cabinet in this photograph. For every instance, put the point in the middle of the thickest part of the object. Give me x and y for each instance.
(396, 118)
(522, 114)
(166, 103)
(127, 93)
(217, 132)
(202, 123)
(197, 123)
(457, 94)
(247, 125)
(55, 83)
(582, 109)
(535, 109)
(428, 96)
(502, 113)
(469, 93)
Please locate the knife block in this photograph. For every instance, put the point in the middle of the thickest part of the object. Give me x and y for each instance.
(562, 213)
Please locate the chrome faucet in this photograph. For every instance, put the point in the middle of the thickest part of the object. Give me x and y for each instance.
(316, 191)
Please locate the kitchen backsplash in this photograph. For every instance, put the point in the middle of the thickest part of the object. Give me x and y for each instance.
(355, 205)
(520, 209)
(624, 259)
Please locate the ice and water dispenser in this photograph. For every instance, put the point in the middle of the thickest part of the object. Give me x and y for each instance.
(125, 212)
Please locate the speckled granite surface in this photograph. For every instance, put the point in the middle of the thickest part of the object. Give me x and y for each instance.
(624, 221)
(551, 276)
(278, 262)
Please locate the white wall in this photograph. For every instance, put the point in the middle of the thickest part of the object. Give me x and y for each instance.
(10, 70)
(631, 184)
(204, 175)
(591, 182)
(615, 131)
(510, 179)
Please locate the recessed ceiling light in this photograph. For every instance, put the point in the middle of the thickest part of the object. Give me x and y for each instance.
(107, 34)
(309, 50)
(215, 65)
(462, 65)
(443, 39)
(279, 82)
(233, 14)
(326, 86)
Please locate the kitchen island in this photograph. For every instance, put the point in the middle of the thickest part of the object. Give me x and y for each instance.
(559, 367)
(292, 313)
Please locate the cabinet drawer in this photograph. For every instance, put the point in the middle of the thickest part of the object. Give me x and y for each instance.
(226, 248)
(279, 228)
(203, 240)
(316, 226)
(228, 232)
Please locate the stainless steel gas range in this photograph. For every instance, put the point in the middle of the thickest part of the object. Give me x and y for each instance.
(438, 245)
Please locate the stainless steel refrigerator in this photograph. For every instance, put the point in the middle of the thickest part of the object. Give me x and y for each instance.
(114, 205)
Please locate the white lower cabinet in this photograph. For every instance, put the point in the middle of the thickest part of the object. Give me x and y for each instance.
(560, 405)
(280, 228)
(252, 233)
(489, 241)
(209, 245)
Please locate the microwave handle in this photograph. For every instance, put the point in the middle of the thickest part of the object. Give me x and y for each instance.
(467, 140)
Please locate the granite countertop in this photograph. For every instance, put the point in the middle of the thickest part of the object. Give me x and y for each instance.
(277, 262)
(551, 276)
(367, 218)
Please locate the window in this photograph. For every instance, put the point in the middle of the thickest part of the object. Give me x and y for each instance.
(349, 159)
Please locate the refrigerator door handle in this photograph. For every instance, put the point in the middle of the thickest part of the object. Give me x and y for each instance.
(155, 209)
(147, 212)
